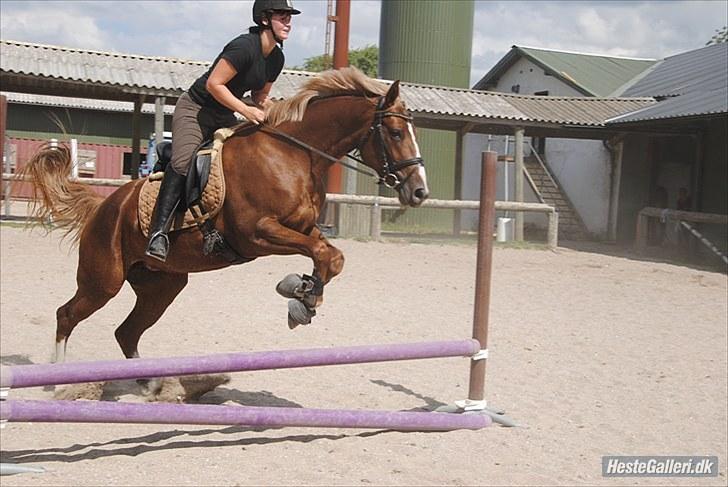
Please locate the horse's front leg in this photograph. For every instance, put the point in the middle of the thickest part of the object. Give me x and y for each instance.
(307, 291)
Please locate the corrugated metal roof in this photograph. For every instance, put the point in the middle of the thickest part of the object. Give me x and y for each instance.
(693, 104)
(174, 75)
(99, 67)
(703, 69)
(486, 105)
(592, 74)
(82, 103)
(694, 83)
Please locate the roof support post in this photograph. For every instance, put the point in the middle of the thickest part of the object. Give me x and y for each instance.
(618, 150)
(458, 189)
(159, 103)
(136, 127)
(697, 173)
(3, 156)
(518, 153)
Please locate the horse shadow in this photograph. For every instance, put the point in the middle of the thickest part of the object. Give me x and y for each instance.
(15, 359)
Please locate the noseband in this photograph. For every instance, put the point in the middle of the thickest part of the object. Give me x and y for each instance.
(390, 167)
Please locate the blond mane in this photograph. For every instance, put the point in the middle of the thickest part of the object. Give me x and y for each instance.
(334, 82)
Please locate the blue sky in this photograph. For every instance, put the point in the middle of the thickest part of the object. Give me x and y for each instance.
(198, 29)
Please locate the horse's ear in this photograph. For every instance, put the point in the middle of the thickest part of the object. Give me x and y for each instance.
(392, 94)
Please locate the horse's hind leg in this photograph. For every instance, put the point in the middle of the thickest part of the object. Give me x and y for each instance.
(155, 291)
(86, 301)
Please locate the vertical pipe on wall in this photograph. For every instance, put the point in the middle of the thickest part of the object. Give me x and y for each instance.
(341, 60)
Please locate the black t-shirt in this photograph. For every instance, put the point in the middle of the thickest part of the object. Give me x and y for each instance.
(245, 54)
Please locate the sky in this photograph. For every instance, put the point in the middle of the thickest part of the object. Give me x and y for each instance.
(197, 30)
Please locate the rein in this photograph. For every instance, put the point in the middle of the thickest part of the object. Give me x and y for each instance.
(321, 153)
(390, 168)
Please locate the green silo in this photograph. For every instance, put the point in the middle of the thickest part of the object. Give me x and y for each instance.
(428, 42)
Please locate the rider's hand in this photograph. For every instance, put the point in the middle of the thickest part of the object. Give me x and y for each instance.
(254, 114)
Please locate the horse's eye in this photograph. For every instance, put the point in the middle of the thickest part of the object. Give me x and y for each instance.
(395, 134)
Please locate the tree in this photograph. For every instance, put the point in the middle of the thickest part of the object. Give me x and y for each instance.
(721, 35)
(365, 58)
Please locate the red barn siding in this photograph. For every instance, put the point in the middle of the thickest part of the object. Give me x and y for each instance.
(109, 163)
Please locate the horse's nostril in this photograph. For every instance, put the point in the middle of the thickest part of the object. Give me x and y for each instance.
(420, 193)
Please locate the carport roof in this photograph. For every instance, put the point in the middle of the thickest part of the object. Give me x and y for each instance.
(691, 84)
(54, 70)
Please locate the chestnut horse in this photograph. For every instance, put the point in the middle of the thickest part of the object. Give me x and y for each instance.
(275, 190)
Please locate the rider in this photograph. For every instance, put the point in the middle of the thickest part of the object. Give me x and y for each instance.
(250, 62)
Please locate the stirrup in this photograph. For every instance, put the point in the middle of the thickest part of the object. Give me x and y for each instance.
(155, 252)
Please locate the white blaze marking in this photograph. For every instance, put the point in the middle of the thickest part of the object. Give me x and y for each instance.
(420, 169)
(414, 140)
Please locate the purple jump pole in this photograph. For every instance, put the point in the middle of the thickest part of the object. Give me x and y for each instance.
(72, 373)
(115, 412)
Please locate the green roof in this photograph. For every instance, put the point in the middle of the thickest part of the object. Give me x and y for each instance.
(591, 74)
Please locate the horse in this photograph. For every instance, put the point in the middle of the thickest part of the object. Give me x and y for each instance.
(274, 174)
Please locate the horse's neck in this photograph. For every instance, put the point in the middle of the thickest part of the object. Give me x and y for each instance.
(336, 125)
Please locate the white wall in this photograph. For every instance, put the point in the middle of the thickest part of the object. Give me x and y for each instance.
(531, 79)
(581, 166)
(473, 147)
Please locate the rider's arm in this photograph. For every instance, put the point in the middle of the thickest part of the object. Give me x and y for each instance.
(260, 97)
(221, 74)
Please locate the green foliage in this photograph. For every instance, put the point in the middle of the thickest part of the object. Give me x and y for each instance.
(721, 35)
(365, 58)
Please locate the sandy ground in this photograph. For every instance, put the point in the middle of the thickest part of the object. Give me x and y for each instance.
(594, 354)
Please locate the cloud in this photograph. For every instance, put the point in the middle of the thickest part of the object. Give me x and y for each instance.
(647, 29)
(198, 29)
(46, 25)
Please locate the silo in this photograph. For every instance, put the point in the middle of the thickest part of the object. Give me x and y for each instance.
(428, 42)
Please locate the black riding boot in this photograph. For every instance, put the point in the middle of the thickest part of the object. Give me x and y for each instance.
(163, 215)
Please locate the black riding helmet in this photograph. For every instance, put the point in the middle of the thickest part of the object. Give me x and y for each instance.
(263, 7)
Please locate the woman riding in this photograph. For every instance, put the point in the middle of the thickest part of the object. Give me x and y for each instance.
(250, 62)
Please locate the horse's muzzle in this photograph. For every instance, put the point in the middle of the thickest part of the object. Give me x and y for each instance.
(414, 191)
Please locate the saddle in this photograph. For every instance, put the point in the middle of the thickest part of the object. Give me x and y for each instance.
(205, 187)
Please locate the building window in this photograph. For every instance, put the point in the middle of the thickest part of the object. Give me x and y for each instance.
(126, 171)
(86, 163)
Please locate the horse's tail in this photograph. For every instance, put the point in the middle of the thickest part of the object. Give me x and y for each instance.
(68, 204)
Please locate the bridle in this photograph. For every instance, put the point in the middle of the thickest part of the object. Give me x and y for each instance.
(390, 168)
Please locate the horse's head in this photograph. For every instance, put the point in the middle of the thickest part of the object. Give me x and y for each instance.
(391, 149)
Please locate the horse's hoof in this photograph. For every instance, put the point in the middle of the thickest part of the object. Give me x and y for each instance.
(150, 387)
(299, 312)
(291, 322)
(288, 286)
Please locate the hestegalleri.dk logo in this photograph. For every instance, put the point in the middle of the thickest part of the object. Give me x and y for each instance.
(659, 466)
